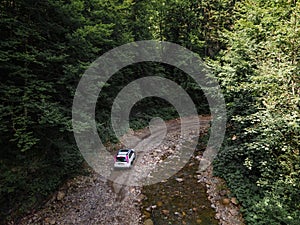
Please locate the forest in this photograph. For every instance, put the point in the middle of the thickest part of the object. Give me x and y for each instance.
(252, 47)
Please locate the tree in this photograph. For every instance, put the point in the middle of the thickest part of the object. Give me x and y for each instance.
(45, 47)
(259, 73)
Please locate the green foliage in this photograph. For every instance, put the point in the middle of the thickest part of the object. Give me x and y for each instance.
(193, 24)
(45, 47)
(253, 46)
(260, 76)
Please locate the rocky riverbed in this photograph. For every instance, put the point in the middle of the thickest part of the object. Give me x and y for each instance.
(94, 200)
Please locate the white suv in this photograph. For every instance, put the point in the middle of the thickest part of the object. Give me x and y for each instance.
(124, 158)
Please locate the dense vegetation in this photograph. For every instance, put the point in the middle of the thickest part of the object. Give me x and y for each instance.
(259, 71)
(45, 47)
(252, 46)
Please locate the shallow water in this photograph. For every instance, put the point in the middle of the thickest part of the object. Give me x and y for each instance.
(179, 201)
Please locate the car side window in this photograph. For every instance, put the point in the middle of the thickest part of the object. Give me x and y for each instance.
(130, 154)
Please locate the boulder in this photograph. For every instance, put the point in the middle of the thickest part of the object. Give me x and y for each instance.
(148, 222)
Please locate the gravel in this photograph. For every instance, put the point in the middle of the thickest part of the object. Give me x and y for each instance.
(94, 200)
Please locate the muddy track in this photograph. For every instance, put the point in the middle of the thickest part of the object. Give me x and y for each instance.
(171, 130)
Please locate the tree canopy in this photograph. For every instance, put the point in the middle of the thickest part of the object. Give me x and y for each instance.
(252, 47)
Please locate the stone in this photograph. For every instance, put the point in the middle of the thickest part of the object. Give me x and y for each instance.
(198, 157)
(148, 222)
(49, 221)
(146, 214)
(141, 197)
(159, 203)
(226, 201)
(60, 195)
(234, 201)
(223, 192)
(233, 212)
(165, 212)
(177, 213)
(153, 206)
(179, 179)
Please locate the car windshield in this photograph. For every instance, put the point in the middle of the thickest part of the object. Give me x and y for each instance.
(121, 159)
(123, 150)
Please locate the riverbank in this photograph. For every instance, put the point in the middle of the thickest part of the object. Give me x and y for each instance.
(92, 200)
(226, 206)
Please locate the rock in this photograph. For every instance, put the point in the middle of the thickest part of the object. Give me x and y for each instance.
(223, 192)
(148, 222)
(60, 195)
(233, 212)
(179, 179)
(234, 201)
(170, 151)
(177, 213)
(141, 197)
(165, 212)
(153, 206)
(146, 214)
(217, 198)
(159, 203)
(195, 209)
(49, 221)
(198, 221)
(226, 201)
